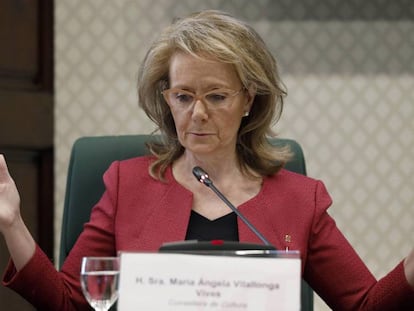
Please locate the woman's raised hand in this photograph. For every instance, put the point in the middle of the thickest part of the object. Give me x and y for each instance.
(18, 239)
(409, 268)
(9, 198)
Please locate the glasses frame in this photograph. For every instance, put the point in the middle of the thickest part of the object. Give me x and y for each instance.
(201, 97)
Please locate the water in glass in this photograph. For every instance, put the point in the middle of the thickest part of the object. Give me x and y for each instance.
(99, 281)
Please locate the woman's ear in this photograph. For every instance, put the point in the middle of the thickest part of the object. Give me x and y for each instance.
(251, 94)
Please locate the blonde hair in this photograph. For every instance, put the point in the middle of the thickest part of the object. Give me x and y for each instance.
(218, 36)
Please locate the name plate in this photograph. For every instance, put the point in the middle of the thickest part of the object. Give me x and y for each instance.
(162, 281)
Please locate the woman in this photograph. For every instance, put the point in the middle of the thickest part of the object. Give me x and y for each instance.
(211, 86)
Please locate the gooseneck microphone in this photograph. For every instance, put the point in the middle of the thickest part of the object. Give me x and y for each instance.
(202, 177)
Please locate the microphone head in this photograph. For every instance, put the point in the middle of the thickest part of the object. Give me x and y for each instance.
(201, 176)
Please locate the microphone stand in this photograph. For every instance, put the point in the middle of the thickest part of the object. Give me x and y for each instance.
(202, 177)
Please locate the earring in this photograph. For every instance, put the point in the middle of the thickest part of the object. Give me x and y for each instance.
(246, 114)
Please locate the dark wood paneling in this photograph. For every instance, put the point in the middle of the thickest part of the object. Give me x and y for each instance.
(26, 40)
(45, 213)
(26, 119)
(19, 39)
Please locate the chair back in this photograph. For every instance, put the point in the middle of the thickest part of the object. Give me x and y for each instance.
(91, 157)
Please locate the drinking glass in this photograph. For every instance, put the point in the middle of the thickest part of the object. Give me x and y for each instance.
(99, 281)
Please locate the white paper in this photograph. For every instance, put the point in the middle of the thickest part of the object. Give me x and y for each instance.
(160, 282)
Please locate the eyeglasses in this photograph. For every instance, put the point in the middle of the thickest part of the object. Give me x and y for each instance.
(215, 99)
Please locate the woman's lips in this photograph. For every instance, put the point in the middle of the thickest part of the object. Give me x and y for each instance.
(200, 134)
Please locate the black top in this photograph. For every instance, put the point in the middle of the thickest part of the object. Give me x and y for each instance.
(202, 229)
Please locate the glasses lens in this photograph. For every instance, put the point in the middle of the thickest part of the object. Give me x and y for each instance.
(214, 99)
(180, 97)
(218, 98)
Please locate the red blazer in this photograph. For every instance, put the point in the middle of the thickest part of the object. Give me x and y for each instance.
(137, 212)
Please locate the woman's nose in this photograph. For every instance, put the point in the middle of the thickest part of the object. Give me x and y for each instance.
(200, 110)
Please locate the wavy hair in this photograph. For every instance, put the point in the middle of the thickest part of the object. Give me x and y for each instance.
(216, 35)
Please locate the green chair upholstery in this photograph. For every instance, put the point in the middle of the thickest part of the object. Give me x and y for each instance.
(91, 157)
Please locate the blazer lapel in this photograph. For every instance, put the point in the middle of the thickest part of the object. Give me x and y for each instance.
(169, 220)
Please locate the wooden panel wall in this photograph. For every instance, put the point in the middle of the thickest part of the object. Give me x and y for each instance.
(26, 119)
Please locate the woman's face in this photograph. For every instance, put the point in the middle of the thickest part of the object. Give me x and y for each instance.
(207, 102)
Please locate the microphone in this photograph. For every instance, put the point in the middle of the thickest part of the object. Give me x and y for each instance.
(202, 177)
